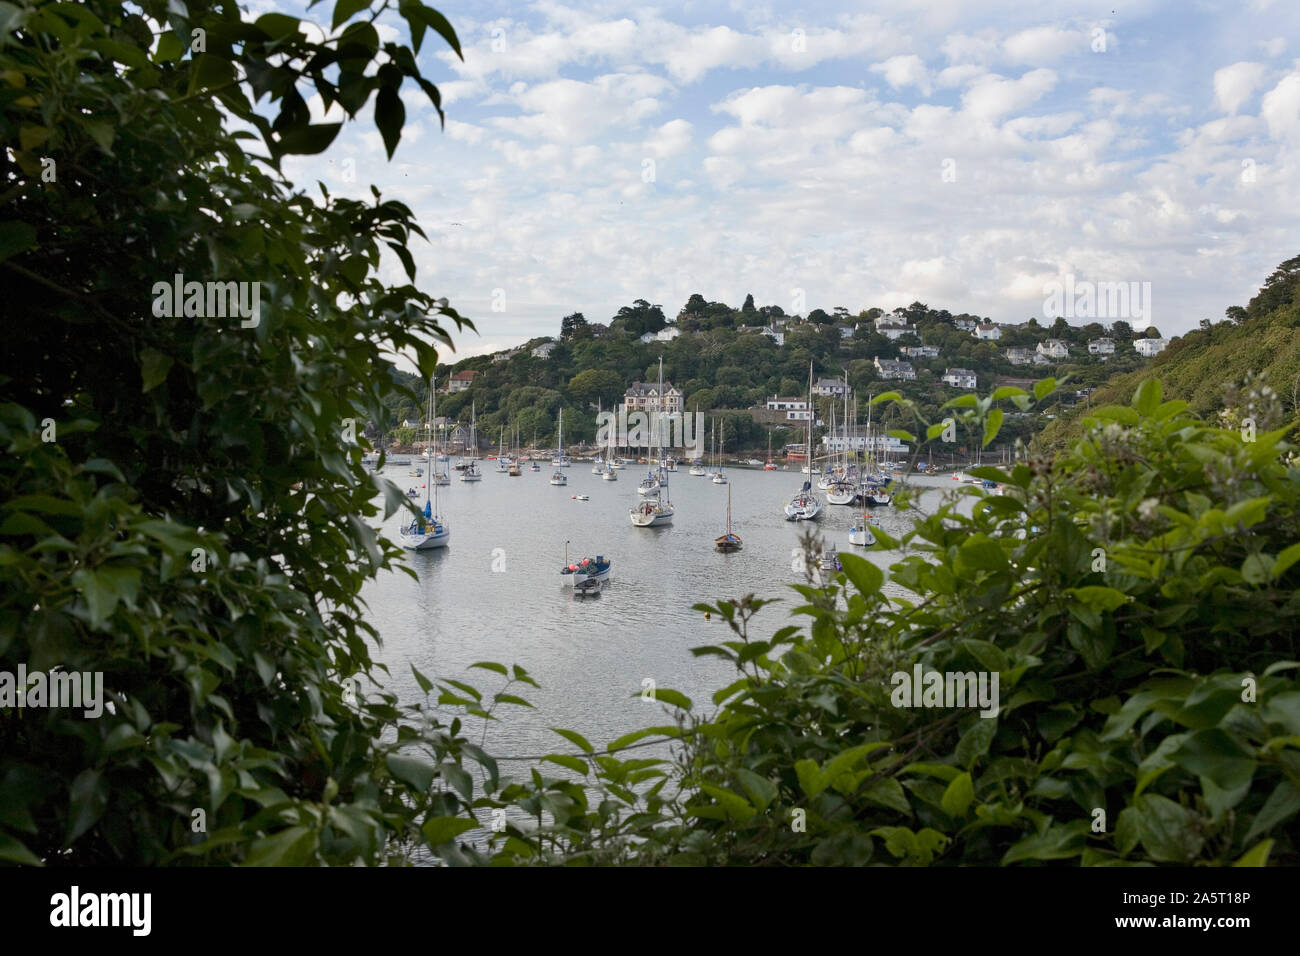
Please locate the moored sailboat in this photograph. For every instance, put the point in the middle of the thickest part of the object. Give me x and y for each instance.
(728, 542)
(429, 530)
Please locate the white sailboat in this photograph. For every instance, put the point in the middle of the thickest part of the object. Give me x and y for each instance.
(561, 460)
(430, 530)
(471, 472)
(657, 508)
(805, 506)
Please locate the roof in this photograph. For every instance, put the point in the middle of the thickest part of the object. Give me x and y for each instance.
(642, 389)
(958, 371)
(465, 376)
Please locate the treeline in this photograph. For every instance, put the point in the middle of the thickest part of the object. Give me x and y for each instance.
(723, 364)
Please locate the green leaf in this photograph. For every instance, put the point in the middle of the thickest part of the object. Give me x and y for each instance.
(888, 792)
(277, 26)
(1058, 842)
(811, 779)
(1212, 753)
(992, 426)
(492, 666)
(1147, 397)
(1043, 388)
(574, 737)
(957, 798)
(344, 9)
(1098, 598)
(1256, 855)
(576, 764)
(975, 741)
(761, 790)
(1282, 804)
(411, 770)
(308, 139)
(15, 852)
(426, 685)
(866, 577)
(1170, 832)
(390, 117)
(291, 847)
(1284, 560)
(440, 830)
(438, 23)
(901, 434)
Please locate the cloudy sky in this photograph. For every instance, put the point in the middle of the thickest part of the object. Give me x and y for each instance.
(855, 154)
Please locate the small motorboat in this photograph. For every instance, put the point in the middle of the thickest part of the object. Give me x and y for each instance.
(559, 478)
(412, 493)
(861, 531)
(588, 569)
(582, 497)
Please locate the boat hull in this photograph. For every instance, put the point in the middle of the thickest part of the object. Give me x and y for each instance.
(425, 542)
(652, 519)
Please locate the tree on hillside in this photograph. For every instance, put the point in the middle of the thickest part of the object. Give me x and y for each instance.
(820, 317)
(749, 304)
(1121, 331)
(1279, 289)
(1060, 328)
(572, 325)
(592, 385)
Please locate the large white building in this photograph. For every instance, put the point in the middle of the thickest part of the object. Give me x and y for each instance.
(988, 332)
(1101, 346)
(959, 377)
(647, 398)
(1150, 347)
(1053, 349)
(796, 409)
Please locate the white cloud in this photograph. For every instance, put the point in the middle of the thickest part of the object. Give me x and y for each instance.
(993, 96)
(1280, 109)
(1043, 45)
(904, 71)
(1234, 85)
(670, 139)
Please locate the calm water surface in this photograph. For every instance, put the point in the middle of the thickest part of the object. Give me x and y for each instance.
(495, 593)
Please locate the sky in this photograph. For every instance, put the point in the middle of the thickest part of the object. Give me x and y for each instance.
(966, 155)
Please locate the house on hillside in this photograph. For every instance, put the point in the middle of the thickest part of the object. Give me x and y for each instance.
(895, 332)
(647, 398)
(834, 387)
(1102, 346)
(1025, 357)
(667, 333)
(920, 351)
(506, 356)
(888, 368)
(959, 377)
(774, 334)
(795, 409)
(544, 350)
(987, 332)
(461, 381)
(1150, 347)
(1053, 349)
(964, 325)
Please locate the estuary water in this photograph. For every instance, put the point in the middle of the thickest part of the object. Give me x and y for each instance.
(496, 594)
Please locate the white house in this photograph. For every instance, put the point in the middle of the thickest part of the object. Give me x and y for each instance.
(895, 332)
(461, 381)
(959, 377)
(888, 368)
(506, 355)
(543, 350)
(775, 335)
(890, 319)
(920, 351)
(1150, 347)
(1052, 349)
(667, 333)
(1101, 346)
(988, 332)
(1023, 356)
(830, 386)
(884, 446)
(964, 325)
(648, 337)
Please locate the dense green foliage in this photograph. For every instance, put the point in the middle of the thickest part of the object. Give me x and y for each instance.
(184, 508)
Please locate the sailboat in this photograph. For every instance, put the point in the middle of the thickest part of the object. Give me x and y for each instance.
(561, 460)
(471, 472)
(502, 458)
(697, 467)
(805, 506)
(429, 530)
(728, 542)
(610, 473)
(657, 508)
(771, 465)
(719, 478)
